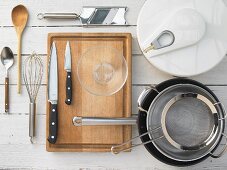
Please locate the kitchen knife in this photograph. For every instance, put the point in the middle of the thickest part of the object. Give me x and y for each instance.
(67, 68)
(53, 95)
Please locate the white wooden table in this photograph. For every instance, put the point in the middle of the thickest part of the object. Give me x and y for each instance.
(16, 152)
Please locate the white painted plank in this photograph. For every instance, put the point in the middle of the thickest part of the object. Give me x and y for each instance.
(30, 156)
(19, 103)
(35, 38)
(36, 156)
(41, 6)
(142, 73)
(145, 73)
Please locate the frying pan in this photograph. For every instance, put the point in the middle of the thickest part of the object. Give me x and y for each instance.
(142, 122)
(189, 119)
(145, 102)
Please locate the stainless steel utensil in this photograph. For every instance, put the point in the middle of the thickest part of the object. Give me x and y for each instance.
(182, 135)
(113, 15)
(67, 67)
(191, 122)
(32, 75)
(165, 39)
(142, 117)
(184, 122)
(53, 94)
(7, 60)
(92, 121)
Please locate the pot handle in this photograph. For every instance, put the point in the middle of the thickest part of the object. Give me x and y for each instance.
(223, 107)
(93, 121)
(142, 96)
(121, 147)
(222, 151)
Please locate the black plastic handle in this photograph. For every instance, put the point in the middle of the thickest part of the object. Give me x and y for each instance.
(68, 87)
(53, 124)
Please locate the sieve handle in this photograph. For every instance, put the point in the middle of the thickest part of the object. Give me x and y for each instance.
(222, 151)
(143, 95)
(121, 148)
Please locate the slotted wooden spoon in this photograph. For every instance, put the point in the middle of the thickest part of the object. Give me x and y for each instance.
(19, 18)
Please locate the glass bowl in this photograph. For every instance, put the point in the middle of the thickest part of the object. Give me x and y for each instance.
(102, 70)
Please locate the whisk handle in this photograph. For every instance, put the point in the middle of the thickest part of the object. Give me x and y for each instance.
(53, 124)
(68, 87)
(32, 115)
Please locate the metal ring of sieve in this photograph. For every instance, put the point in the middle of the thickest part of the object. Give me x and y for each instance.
(212, 132)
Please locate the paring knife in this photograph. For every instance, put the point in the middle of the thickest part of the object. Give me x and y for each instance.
(67, 68)
(53, 95)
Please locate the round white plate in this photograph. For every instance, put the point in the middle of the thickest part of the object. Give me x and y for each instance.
(194, 59)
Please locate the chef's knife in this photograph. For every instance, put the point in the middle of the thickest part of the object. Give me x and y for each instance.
(53, 95)
(67, 68)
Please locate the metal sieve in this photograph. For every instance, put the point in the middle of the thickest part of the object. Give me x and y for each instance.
(190, 122)
(183, 122)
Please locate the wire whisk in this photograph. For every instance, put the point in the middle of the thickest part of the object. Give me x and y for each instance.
(32, 75)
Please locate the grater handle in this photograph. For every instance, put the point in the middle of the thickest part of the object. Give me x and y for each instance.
(57, 16)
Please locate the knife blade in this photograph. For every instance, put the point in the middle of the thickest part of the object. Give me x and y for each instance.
(53, 95)
(67, 68)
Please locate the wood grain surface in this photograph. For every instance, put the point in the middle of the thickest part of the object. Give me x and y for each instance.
(85, 104)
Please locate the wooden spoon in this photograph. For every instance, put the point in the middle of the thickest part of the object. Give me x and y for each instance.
(19, 18)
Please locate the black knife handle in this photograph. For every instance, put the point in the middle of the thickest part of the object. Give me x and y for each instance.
(68, 87)
(53, 124)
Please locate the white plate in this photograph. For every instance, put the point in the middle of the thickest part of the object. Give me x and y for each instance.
(189, 60)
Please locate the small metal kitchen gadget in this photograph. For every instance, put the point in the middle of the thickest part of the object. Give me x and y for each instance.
(181, 29)
(32, 75)
(165, 39)
(93, 15)
(7, 60)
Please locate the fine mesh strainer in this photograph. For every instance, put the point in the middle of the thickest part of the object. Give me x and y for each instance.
(190, 121)
(184, 122)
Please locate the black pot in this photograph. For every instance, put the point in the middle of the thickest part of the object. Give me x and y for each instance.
(142, 116)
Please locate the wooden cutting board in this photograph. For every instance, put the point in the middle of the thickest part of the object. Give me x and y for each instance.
(89, 138)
